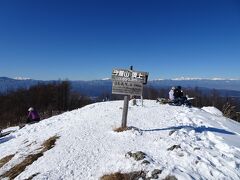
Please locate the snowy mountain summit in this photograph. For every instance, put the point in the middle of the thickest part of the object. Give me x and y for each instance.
(164, 142)
(21, 78)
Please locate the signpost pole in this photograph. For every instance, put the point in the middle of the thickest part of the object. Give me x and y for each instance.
(125, 108)
(125, 111)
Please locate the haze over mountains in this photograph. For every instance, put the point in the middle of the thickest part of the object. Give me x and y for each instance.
(229, 87)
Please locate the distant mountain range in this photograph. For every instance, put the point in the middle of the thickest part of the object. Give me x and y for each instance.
(9, 84)
(97, 87)
(190, 78)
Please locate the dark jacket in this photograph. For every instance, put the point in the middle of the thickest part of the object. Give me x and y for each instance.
(178, 93)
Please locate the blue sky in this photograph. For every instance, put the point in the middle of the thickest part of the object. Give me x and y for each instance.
(83, 40)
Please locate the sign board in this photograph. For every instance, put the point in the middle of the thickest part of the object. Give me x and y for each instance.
(129, 75)
(128, 82)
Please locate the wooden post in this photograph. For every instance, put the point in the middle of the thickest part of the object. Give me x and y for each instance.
(125, 108)
(125, 111)
(142, 99)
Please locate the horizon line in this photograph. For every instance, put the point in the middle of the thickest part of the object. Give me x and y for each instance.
(182, 78)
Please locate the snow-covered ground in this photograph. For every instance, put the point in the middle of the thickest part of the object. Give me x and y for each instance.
(207, 144)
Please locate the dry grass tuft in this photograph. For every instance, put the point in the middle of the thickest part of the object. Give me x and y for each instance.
(19, 168)
(133, 176)
(121, 129)
(5, 160)
(50, 143)
(126, 176)
(115, 176)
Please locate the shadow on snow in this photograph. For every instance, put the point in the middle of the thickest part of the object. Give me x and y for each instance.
(5, 139)
(199, 129)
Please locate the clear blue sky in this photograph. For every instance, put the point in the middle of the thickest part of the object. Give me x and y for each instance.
(52, 39)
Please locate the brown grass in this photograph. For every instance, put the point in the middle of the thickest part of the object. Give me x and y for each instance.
(5, 160)
(121, 129)
(19, 168)
(50, 143)
(115, 176)
(126, 176)
(132, 176)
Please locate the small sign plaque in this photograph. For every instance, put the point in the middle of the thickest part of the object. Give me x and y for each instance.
(127, 87)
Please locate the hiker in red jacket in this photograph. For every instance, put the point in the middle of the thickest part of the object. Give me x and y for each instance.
(33, 116)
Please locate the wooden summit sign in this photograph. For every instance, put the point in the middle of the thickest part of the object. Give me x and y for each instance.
(128, 82)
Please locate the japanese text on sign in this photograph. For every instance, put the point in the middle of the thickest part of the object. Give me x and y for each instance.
(129, 75)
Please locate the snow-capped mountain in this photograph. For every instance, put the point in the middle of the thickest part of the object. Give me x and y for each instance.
(202, 83)
(98, 87)
(210, 79)
(106, 79)
(164, 141)
(21, 78)
(9, 84)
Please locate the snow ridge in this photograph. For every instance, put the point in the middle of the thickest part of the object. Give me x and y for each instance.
(181, 142)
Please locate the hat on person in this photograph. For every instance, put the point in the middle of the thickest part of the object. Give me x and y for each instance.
(30, 109)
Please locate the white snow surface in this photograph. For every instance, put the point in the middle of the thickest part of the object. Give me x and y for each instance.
(212, 110)
(88, 148)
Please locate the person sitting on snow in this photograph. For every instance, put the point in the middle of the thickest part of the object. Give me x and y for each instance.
(33, 116)
(171, 94)
(178, 93)
(179, 98)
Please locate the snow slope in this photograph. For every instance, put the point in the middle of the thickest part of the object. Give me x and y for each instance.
(88, 148)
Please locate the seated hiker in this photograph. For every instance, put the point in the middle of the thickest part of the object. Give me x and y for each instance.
(171, 94)
(178, 93)
(33, 116)
(179, 98)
